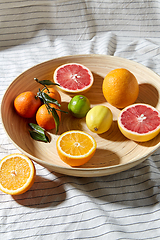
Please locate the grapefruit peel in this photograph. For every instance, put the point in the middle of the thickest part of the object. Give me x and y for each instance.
(73, 78)
(142, 118)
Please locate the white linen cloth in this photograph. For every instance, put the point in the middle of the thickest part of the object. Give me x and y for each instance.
(121, 206)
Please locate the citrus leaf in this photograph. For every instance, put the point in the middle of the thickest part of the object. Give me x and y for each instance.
(48, 99)
(45, 82)
(38, 133)
(38, 137)
(37, 128)
(56, 118)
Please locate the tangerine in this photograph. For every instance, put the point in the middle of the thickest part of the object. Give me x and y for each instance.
(45, 119)
(26, 104)
(120, 88)
(53, 93)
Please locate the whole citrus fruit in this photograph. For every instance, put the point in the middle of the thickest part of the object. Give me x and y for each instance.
(79, 106)
(73, 78)
(99, 119)
(120, 88)
(26, 104)
(53, 93)
(45, 119)
(139, 122)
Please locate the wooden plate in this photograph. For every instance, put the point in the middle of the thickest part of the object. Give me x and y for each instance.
(114, 153)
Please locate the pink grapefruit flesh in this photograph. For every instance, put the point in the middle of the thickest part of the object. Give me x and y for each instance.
(139, 122)
(73, 77)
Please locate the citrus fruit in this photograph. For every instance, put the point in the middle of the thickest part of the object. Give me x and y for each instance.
(45, 119)
(73, 78)
(53, 93)
(26, 104)
(78, 106)
(99, 119)
(120, 88)
(75, 147)
(139, 122)
(17, 174)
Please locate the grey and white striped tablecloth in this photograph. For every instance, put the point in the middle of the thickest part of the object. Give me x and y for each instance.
(121, 206)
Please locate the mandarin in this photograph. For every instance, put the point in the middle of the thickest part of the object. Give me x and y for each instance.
(120, 88)
(53, 93)
(45, 119)
(26, 104)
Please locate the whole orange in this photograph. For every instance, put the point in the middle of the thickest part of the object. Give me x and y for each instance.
(53, 93)
(120, 88)
(26, 104)
(45, 119)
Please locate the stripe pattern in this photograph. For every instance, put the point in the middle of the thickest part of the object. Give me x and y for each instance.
(121, 206)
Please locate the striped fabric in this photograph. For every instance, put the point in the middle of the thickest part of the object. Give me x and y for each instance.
(121, 206)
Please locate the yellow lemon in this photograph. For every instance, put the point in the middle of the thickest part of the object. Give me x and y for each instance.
(99, 119)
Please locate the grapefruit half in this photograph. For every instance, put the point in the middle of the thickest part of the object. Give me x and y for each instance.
(139, 122)
(73, 78)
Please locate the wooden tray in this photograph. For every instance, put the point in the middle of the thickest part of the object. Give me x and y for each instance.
(114, 153)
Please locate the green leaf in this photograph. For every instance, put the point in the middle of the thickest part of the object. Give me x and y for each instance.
(37, 128)
(56, 118)
(38, 137)
(48, 99)
(38, 133)
(45, 82)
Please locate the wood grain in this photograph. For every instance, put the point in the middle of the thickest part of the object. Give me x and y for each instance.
(114, 153)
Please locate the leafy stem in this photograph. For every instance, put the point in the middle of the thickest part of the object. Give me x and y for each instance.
(45, 83)
(37, 132)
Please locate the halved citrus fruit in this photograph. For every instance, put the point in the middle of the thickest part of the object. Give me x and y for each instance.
(73, 78)
(76, 147)
(17, 174)
(139, 122)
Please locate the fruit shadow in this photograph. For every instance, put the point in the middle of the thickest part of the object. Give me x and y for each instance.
(148, 94)
(95, 94)
(102, 158)
(119, 188)
(113, 134)
(43, 193)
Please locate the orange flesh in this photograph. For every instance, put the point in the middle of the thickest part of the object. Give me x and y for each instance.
(14, 173)
(76, 144)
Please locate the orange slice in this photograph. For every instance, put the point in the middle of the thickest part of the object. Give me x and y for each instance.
(17, 174)
(76, 147)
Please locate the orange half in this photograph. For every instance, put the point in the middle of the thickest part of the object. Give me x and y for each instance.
(76, 147)
(17, 174)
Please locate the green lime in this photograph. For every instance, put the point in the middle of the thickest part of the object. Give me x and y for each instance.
(79, 106)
